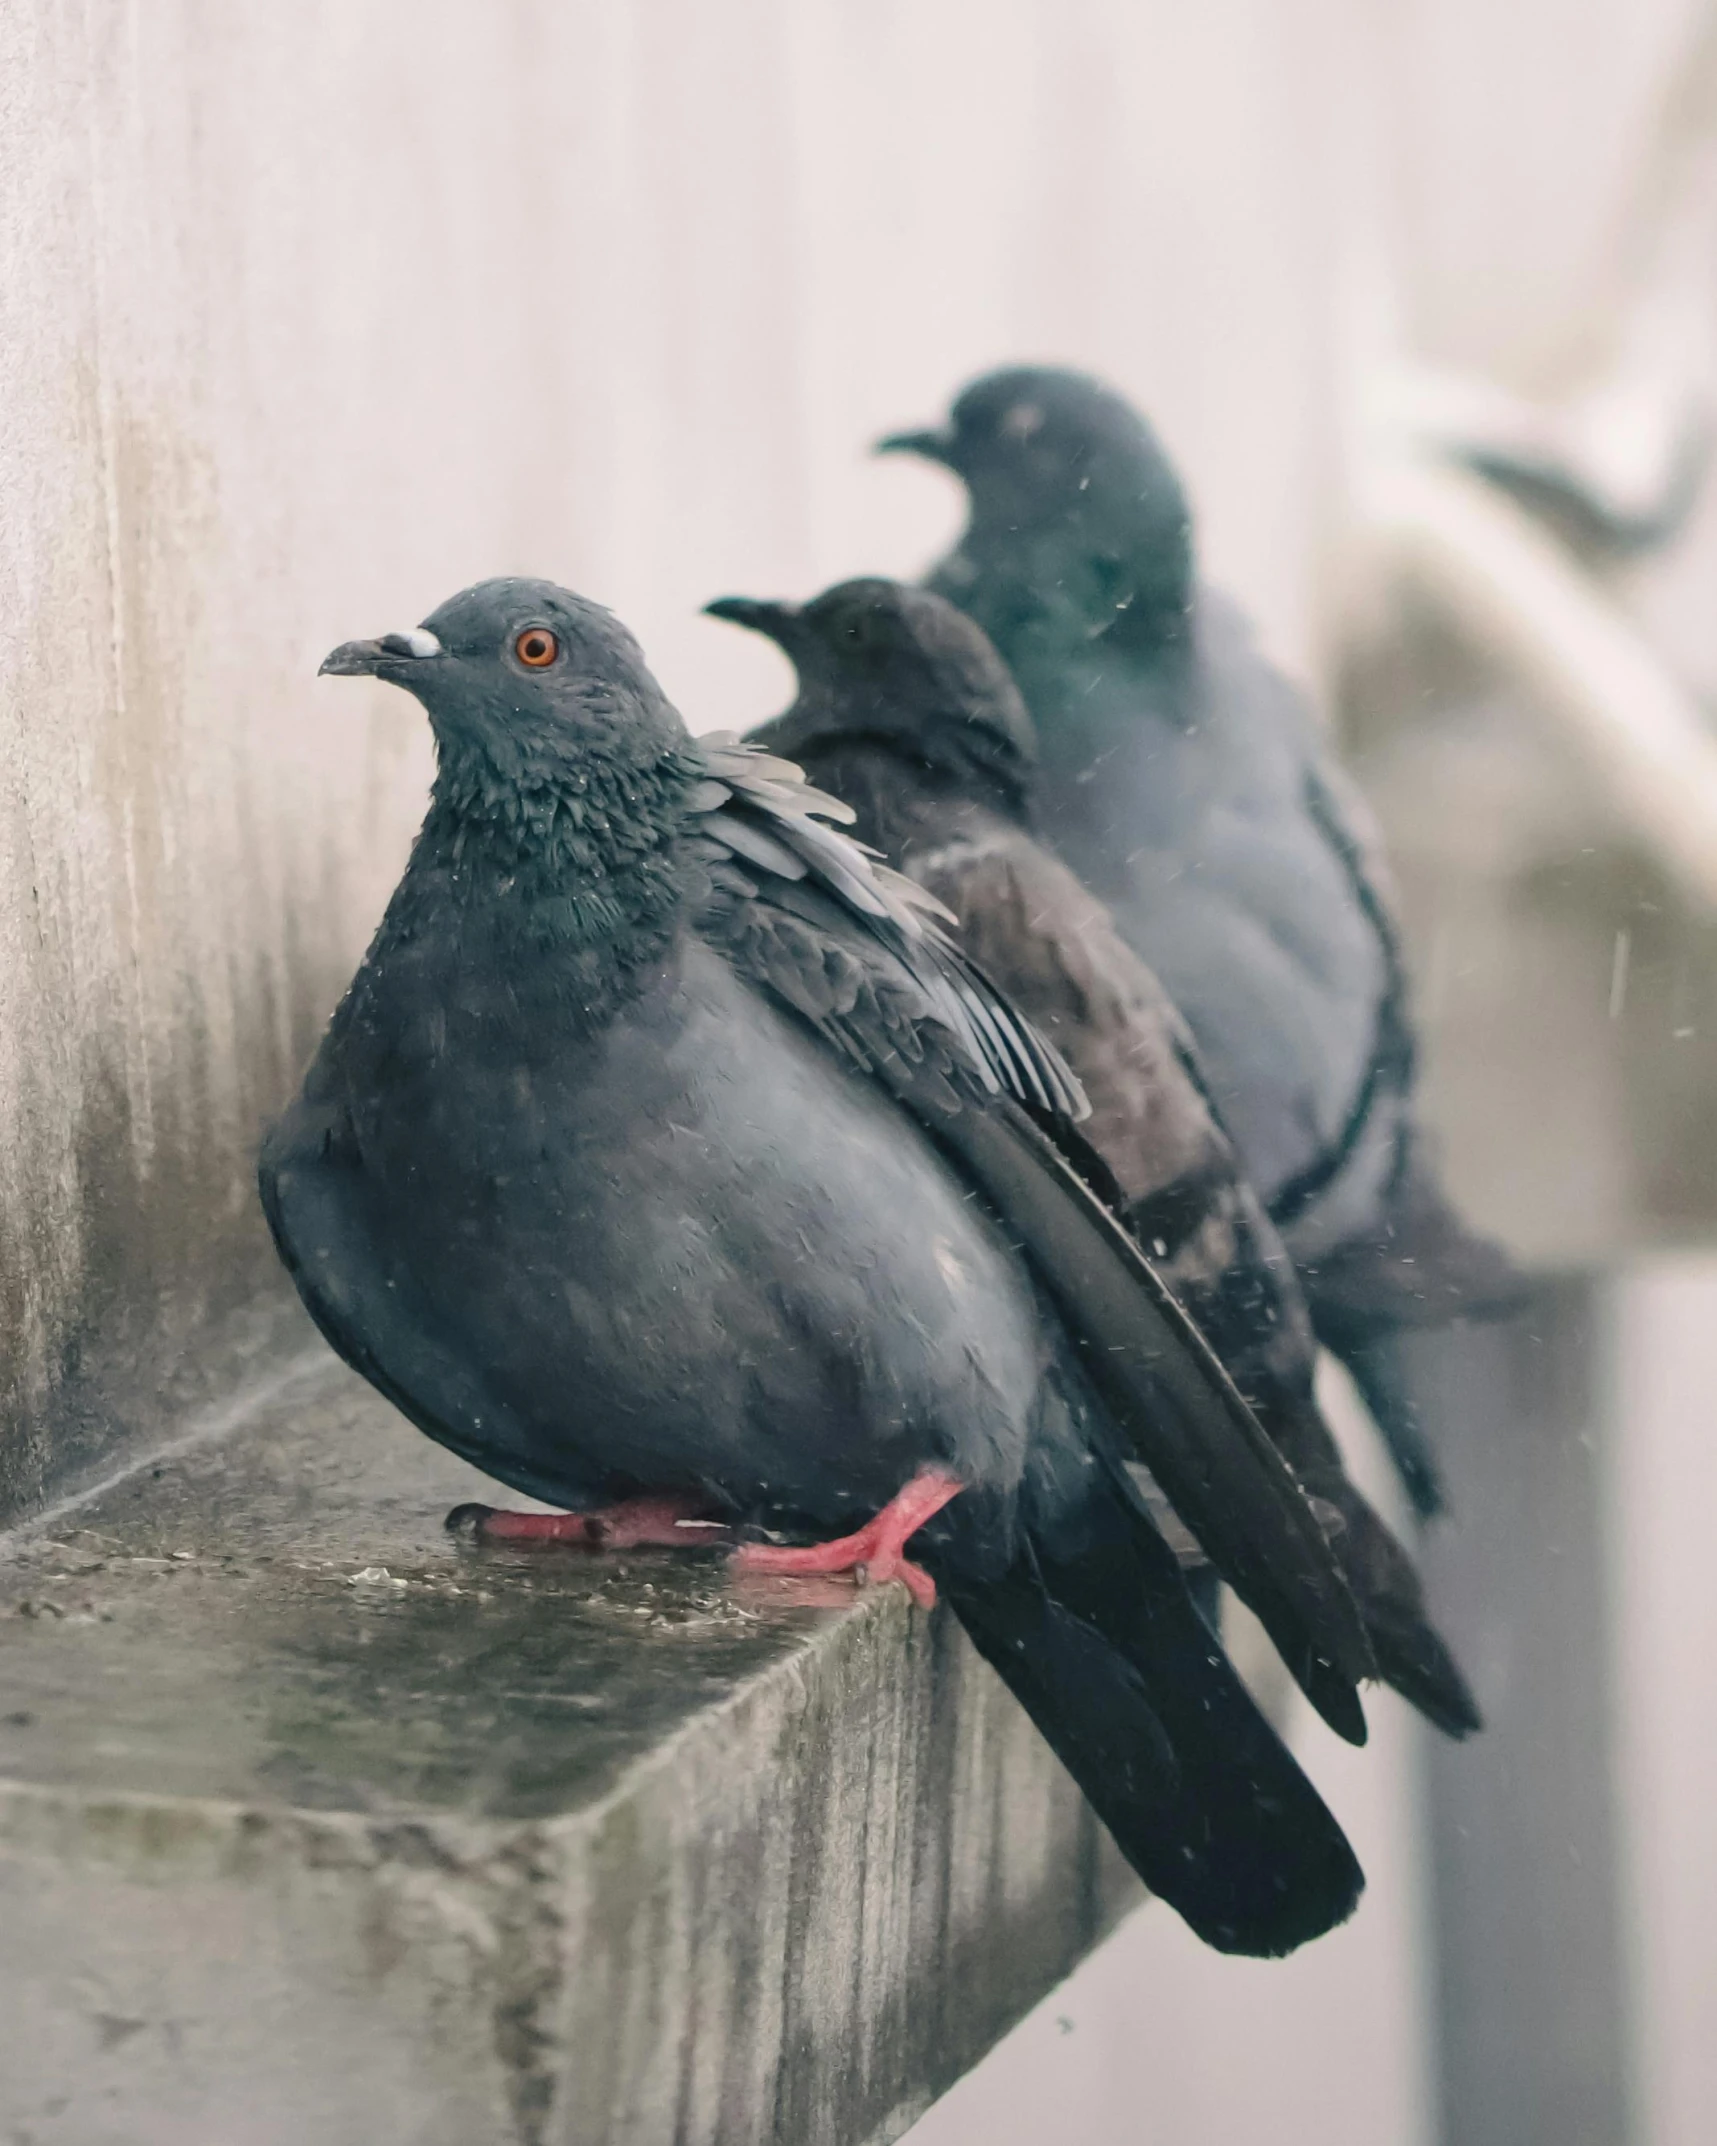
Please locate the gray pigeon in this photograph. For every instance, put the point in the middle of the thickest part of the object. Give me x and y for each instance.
(907, 713)
(1192, 790)
(665, 1156)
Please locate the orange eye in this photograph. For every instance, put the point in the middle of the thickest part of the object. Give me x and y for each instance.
(536, 648)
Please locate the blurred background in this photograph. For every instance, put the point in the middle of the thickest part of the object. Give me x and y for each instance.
(315, 314)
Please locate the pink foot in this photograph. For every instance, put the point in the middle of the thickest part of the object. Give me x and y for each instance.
(679, 1523)
(873, 1555)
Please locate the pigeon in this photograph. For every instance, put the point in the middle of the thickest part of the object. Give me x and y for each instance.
(906, 712)
(667, 1159)
(1190, 787)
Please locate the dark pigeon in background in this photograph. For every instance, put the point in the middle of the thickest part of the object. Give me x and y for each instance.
(1192, 789)
(907, 713)
(665, 1157)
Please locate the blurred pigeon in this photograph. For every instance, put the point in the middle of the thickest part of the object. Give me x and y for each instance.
(667, 1160)
(1192, 790)
(907, 713)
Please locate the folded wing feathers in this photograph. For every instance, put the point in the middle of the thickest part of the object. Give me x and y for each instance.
(782, 782)
(1021, 1078)
(755, 844)
(1030, 1063)
(838, 862)
(918, 902)
(760, 808)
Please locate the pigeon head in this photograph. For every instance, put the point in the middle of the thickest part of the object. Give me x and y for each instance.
(525, 684)
(881, 661)
(563, 774)
(1050, 456)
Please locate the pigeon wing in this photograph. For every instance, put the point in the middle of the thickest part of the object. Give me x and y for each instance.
(882, 981)
(772, 820)
(1054, 947)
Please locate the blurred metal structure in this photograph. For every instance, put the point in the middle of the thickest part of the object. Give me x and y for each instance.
(1522, 672)
(1534, 2006)
(1530, 688)
(1606, 694)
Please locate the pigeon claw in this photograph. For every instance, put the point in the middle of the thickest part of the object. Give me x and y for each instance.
(665, 1522)
(874, 1554)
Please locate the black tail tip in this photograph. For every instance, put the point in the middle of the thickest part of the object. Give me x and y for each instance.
(1415, 1662)
(1288, 1908)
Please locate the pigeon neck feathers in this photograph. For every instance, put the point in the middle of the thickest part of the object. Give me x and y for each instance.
(575, 852)
(1068, 589)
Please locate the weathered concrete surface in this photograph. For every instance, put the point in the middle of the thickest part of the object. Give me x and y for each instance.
(317, 1825)
(313, 315)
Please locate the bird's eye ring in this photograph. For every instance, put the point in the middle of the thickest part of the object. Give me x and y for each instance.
(536, 648)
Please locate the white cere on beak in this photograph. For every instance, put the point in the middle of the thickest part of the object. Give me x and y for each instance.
(421, 642)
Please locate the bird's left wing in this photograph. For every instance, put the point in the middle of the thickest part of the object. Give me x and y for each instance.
(863, 956)
(768, 828)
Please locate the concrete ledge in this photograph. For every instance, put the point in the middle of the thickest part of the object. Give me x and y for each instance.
(318, 1826)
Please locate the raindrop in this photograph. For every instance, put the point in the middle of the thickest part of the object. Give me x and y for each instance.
(1619, 973)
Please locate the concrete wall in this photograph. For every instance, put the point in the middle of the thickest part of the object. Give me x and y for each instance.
(313, 315)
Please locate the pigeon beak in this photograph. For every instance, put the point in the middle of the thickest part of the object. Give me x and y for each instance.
(779, 621)
(368, 659)
(932, 446)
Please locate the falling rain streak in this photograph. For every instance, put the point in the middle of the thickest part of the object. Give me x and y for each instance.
(1619, 973)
